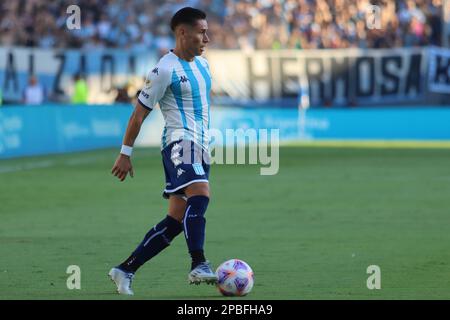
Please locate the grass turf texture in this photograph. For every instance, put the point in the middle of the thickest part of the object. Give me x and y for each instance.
(309, 232)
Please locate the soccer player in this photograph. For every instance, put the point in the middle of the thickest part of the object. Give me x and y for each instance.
(181, 83)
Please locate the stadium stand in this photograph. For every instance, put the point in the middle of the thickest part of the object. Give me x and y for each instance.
(247, 25)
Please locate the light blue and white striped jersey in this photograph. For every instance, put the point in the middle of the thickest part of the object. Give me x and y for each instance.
(182, 89)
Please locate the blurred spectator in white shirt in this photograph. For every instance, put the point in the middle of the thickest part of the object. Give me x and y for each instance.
(34, 93)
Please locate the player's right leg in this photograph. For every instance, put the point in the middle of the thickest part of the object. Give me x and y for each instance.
(156, 240)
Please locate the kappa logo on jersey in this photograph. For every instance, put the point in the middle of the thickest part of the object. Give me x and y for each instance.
(176, 147)
(180, 172)
(183, 79)
(175, 156)
(155, 71)
(146, 95)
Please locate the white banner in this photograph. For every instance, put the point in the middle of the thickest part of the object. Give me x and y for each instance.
(439, 70)
(105, 70)
(329, 77)
(332, 76)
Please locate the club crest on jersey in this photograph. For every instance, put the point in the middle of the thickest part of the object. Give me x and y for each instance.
(147, 83)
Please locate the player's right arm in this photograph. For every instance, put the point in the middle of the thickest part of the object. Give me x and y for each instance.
(123, 165)
(154, 89)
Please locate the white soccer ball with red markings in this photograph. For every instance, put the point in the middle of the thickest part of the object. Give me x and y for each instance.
(235, 278)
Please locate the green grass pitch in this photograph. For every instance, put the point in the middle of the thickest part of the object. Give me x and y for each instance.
(309, 232)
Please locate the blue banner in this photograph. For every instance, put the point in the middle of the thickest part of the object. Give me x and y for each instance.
(390, 123)
(26, 131)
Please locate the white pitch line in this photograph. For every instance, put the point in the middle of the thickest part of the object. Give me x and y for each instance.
(47, 164)
(27, 166)
(85, 160)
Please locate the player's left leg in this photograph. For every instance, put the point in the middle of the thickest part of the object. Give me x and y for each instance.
(186, 167)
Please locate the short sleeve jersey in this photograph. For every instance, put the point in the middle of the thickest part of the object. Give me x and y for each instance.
(182, 89)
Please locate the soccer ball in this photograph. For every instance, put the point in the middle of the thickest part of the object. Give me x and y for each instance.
(235, 278)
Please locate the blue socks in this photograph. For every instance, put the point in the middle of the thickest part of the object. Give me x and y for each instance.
(156, 240)
(160, 236)
(194, 227)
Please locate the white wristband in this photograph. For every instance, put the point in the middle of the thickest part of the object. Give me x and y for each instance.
(126, 150)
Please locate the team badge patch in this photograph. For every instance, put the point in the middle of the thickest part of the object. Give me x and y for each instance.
(147, 84)
(198, 168)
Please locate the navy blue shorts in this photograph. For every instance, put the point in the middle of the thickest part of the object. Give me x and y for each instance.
(184, 163)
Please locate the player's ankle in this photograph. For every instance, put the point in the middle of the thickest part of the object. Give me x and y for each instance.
(197, 257)
(123, 267)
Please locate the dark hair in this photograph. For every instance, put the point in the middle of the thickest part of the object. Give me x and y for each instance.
(187, 15)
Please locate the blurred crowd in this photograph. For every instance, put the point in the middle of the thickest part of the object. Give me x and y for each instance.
(233, 24)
